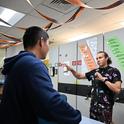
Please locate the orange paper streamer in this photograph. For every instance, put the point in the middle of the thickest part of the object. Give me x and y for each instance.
(4, 41)
(78, 3)
(10, 37)
(87, 55)
(112, 5)
(75, 15)
(41, 14)
(4, 46)
(48, 26)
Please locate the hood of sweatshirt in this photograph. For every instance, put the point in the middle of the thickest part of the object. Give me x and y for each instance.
(9, 62)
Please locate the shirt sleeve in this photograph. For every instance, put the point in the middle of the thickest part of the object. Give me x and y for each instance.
(116, 75)
(89, 75)
(47, 102)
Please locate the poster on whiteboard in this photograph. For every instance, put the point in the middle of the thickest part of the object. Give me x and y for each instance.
(88, 52)
(65, 71)
(114, 46)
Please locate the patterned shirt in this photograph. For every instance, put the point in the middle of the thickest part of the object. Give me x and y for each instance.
(100, 92)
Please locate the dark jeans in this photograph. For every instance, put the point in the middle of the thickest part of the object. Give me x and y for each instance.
(101, 112)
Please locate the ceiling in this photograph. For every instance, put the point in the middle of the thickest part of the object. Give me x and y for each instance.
(89, 23)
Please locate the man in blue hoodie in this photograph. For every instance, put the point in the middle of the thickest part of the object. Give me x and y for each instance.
(28, 92)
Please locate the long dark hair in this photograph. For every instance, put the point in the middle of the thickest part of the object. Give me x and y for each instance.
(109, 61)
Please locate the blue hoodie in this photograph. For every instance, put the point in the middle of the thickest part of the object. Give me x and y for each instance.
(28, 94)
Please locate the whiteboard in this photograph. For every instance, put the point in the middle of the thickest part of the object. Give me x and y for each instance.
(114, 46)
(95, 44)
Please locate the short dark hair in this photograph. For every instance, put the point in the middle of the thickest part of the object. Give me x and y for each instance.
(32, 35)
(109, 61)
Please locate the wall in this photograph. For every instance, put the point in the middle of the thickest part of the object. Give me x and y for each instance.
(14, 50)
(114, 45)
(77, 90)
(2, 56)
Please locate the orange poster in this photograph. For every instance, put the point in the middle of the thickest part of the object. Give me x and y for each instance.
(87, 56)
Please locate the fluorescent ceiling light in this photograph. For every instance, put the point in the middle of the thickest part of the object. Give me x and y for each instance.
(3, 24)
(10, 16)
(84, 35)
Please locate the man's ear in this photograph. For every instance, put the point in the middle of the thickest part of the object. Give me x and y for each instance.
(40, 43)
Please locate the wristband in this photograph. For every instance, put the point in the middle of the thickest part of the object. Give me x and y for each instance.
(105, 80)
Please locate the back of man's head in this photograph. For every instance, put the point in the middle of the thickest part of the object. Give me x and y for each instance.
(32, 35)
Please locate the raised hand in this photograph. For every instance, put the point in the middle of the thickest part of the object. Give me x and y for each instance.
(98, 76)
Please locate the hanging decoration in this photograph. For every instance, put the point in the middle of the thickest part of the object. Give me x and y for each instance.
(78, 3)
(81, 6)
(41, 14)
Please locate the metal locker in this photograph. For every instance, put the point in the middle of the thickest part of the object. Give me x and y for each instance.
(67, 82)
(87, 50)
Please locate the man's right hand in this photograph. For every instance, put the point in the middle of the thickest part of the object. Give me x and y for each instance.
(69, 68)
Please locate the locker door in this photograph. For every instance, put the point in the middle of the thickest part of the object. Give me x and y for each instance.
(53, 65)
(118, 113)
(67, 82)
(87, 50)
(114, 46)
